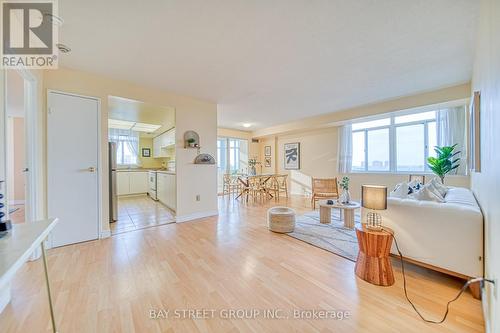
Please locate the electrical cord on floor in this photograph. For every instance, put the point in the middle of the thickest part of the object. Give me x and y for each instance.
(465, 286)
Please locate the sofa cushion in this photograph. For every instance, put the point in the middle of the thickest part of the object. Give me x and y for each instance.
(428, 192)
(460, 196)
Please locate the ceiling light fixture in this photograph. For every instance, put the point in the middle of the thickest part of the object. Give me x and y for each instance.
(132, 126)
(247, 125)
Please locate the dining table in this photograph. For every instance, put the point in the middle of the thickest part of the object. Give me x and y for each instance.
(263, 180)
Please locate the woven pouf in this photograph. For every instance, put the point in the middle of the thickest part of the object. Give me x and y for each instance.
(281, 219)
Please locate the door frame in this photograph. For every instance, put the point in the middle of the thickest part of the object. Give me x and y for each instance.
(99, 158)
(31, 107)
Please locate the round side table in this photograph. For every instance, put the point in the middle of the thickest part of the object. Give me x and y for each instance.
(373, 264)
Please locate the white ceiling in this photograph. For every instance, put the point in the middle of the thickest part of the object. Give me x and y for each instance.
(268, 62)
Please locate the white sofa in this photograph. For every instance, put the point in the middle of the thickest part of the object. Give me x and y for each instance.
(446, 235)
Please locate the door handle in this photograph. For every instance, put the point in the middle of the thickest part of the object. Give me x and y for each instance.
(91, 169)
(25, 170)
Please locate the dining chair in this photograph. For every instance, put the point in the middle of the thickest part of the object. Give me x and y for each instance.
(226, 182)
(255, 188)
(272, 187)
(277, 185)
(324, 189)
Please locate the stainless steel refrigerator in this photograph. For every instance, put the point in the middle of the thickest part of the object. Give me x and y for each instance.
(113, 193)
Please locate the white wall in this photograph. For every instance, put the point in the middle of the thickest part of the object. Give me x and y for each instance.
(319, 159)
(486, 184)
(191, 114)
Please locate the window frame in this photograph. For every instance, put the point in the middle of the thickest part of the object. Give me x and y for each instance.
(227, 152)
(393, 143)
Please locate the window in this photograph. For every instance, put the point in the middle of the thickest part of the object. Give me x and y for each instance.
(396, 143)
(358, 151)
(125, 156)
(378, 150)
(127, 146)
(232, 157)
(410, 148)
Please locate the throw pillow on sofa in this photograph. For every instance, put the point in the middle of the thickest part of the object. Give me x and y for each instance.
(439, 186)
(400, 191)
(428, 192)
(414, 186)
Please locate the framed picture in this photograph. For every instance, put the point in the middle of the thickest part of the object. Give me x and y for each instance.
(146, 152)
(292, 156)
(267, 150)
(475, 133)
(267, 162)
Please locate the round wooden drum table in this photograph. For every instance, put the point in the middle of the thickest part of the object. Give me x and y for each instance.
(373, 264)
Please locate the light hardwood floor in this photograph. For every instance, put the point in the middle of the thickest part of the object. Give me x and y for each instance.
(226, 262)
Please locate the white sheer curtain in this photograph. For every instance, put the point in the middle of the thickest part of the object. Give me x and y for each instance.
(345, 149)
(450, 123)
(127, 145)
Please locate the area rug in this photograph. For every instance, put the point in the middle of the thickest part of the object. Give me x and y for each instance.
(331, 237)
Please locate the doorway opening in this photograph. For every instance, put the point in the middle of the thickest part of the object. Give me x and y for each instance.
(20, 118)
(142, 151)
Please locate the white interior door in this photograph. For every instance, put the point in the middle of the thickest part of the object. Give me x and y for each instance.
(72, 161)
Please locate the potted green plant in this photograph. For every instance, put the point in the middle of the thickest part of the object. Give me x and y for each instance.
(446, 160)
(345, 196)
(191, 142)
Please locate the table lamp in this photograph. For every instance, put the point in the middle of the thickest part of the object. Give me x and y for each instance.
(374, 197)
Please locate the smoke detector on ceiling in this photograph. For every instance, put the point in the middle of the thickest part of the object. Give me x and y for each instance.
(63, 48)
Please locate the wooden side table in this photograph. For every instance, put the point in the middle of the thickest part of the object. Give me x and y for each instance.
(373, 264)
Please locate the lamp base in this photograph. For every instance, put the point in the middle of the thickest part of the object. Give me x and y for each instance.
(374, 221)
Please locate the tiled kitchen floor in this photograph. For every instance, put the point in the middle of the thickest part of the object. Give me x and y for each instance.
(139, 212)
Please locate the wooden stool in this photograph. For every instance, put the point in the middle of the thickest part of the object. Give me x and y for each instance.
(373, 264)
(281, 219)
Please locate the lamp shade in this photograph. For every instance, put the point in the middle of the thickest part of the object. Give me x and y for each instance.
(374, 197)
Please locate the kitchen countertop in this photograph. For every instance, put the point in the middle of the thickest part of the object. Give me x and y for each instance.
(169, 172)
(137, 170)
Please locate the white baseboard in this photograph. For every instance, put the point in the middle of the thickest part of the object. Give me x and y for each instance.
(105, 234)
(195, 216)
(16, 202)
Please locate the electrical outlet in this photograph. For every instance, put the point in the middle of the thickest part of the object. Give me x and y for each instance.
(198, 198)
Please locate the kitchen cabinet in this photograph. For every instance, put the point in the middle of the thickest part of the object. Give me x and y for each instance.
(132, 182)
(166, 189)
(139, 182)
(163, 142)
(122, 183)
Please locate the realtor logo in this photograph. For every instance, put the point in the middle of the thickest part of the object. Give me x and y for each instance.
(29, 34)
